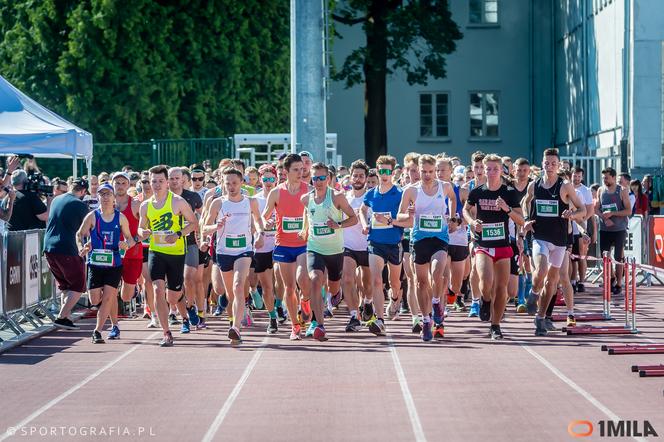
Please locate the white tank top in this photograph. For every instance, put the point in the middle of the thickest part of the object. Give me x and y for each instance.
(353, 237)
(235, 237)
(268, 237)
(430, 218)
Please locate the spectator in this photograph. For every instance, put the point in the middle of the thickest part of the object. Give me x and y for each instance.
(61, 250)
(29, 212)
(647, 189)
(91, 199)
(642, 205)
(625, 180)
(6, 206)
(59, 186)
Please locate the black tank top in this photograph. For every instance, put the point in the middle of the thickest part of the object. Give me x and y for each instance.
(545, 209)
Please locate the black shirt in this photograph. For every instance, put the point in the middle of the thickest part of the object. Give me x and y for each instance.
(546, 209)
(27, 206)
(195, 201)
(64, 220)
(495, 221)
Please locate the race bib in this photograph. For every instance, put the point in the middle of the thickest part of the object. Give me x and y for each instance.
(377, 225)
(546, 208)
(613, 207)
(493, 232)
(101, 257)
(236, 241)
(292, 224)
(430, 223)
(160, 238)
(322, 229)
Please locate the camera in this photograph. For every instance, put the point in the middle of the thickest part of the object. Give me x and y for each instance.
(37, 184)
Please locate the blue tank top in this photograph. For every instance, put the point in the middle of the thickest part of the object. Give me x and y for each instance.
(105, 240)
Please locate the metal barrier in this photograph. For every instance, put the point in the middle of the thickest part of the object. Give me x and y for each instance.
(593, 165)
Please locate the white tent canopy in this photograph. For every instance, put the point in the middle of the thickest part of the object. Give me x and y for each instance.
(27, 127)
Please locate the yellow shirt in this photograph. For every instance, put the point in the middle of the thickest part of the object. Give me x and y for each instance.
(163, 222)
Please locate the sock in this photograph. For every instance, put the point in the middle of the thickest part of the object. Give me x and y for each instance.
(273, 314)
(367, 301)
(277, 303)
(521, 290)
(549, 308)
(573, 281)
(459, 298)
(201, 314)
(427, 319)
(476, 300)
(313, 317)
(537, 316)
(353, 314)
(435, 300)
(570, 312)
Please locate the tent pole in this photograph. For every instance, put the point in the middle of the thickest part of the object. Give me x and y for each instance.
(74, 167)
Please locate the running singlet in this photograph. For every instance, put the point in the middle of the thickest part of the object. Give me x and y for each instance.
(322, 238)
(289, 216)
(105, 239)
(135, 252)
(495, 221)
(430, 220)
(162, 223)
(268, 235)
(354, 239)
(460, 236)
(546, 208)
(235, 237)
(388, 205)
(613, 203)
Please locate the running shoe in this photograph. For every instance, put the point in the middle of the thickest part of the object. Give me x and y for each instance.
(192, 312)
(172, 319)
(439, 331)
(114, 333)
(367, 312)
(281, 314)
(393, 309)
(521, 308)
(310, 331)
(377, 327)
(257, 299)
(540, 329)
(96, 338)
(154, 322)
(571, 321)
(65, 323)
(446, 312)
(185, 326)
(146, 314)
(495, 333)
(305, 307)
(353, 325)
(459, 305)
(438, 313)
(548, 324)
(427, 335)
(327, 313)
(234, 335)
(319, 334)
(616, 290)
(580, 287)
(201, 323)
(247, 320)
(531, 303)
(272, 328)
(218, 311)
(335, 300)
(167, 340)
(450, 298)
(417, 325)
(485, 310)
(405, 308)
(474, 309)
(295, 333)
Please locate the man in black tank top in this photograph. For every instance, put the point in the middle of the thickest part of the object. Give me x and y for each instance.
(547, 202)
(524, 242)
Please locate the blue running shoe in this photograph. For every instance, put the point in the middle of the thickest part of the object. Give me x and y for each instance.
(438, 313)
(257, 300)
(223, 301)
(193, 315)
(474, 310)
(531, 303)
(311, 329)
(427, 334)
(114, 333)
(185, 326)
(218, 311)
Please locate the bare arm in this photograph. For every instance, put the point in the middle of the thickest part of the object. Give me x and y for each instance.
(124, 227)
(579, 214)
(143, 223)
(342, 204)
(210, 225)
(8, 206)
(83, 232)
(183, 208)
(271, 204)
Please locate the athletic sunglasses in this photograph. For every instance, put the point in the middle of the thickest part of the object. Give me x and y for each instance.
(202, 178)
(319, 178)
(268, 179)
(384, 171)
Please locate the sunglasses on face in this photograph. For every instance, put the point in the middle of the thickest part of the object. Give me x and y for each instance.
(270, 179)
(202, 178)
(384, 171)
(145, 182)
(319, 178)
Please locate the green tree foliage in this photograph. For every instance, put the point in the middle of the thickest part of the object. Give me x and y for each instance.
(411, 36)
(131, 71)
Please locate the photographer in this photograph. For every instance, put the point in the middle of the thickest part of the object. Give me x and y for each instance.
(29, 212)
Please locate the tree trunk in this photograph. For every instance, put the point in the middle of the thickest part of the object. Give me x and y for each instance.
(375, 73)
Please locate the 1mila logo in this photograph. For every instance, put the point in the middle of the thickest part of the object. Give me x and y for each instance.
(608, 428)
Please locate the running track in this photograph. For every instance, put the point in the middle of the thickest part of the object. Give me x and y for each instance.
(355, 387)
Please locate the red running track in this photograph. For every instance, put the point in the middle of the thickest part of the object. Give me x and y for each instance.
(355, 387)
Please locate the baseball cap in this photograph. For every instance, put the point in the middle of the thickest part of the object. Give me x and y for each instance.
(459, 170)
(306, 153)
(124, 175)
(106, 186)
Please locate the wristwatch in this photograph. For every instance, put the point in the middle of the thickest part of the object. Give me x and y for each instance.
(389, 221)
(179, 233)
(509, 211)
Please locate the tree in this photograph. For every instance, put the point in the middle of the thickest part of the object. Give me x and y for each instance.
(412, 36)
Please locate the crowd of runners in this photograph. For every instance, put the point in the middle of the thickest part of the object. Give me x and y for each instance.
(300, 238)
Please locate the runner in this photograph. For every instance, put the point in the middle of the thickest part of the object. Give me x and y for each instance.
(290, 249)
(99, 237)
(198, 180)
(520, 184)
(145, 194)
(409, 302)
(325, 243)
(547, 204)
(231, 218)
(161, 219)
(495, 204)
(355, 248)
(424, 206)
(384, 243)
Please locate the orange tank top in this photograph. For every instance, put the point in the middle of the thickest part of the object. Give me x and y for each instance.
(289, 216)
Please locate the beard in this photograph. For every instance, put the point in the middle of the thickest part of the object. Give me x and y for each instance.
(358, 186)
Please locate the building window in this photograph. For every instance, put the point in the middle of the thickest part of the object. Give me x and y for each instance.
(484, 114)
(434, 111)
(484, 12)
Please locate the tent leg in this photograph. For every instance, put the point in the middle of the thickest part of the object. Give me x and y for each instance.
(74, 168)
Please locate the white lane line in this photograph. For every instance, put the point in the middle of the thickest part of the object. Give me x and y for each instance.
(587, 396)
(209, 435)
(12, 430)
(405, 392)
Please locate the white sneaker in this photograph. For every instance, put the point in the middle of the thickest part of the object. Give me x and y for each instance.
(154, 323)
(393, 309)
(446, 313)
